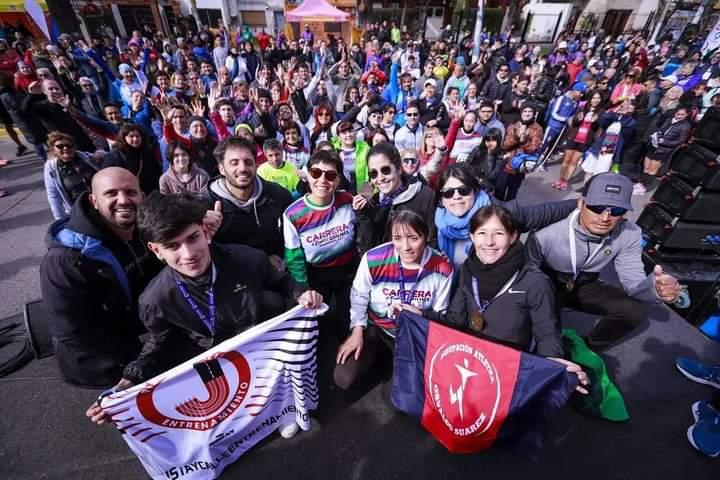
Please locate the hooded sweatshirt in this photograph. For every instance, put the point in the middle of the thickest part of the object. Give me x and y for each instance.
(253, 222)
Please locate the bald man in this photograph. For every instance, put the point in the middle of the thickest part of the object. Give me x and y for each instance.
(94, 271)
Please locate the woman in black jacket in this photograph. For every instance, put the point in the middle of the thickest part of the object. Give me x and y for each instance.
(395, 192)
(673, 132)
(487, 159)
(499, 298)
(133, 152)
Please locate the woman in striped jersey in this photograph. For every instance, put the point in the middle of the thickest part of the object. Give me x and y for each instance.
(319, 233)
(404, 274)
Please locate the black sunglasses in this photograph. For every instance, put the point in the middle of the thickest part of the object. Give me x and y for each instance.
(450, 192)
(412, 160)
(386, 170)
(412, 114)
(63, 146)
(330, 175)
(614, 211)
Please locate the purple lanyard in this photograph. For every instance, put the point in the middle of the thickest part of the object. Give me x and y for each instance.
(476, 292)
(405, 295)
(209, 319)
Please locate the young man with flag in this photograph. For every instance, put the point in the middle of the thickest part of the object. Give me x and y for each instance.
(205, 294)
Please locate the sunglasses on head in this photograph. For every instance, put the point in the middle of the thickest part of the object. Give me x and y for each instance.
(600, 209)
(386, 170)
(450, 192)
(330, 175)
(63, 146)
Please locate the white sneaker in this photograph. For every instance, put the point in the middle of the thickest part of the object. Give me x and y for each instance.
(639, 189)
(289, 430)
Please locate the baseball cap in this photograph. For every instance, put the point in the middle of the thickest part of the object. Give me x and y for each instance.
(579, 87)
(562, 44)
(611, 189)
(430, 81)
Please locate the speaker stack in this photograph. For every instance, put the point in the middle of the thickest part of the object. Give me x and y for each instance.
(681, 230)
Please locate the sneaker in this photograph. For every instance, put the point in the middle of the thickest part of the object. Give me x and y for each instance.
(639, 189)
(698, 372)
(704, 434)
(21, 149)
(289, 430)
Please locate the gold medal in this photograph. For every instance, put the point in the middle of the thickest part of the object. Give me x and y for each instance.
(477, 321)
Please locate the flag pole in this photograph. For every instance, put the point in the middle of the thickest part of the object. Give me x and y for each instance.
(478, 31)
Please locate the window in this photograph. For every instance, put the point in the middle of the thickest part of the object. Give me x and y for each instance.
(253, 18)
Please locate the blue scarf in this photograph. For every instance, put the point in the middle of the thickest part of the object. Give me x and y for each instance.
(452, 228)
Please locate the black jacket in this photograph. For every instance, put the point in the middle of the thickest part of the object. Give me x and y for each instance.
(142, 162)
(90, 282)
(54, 118)
(257, 227)
(526, 311)
(373, 222)
(243, 279)
(493, 90)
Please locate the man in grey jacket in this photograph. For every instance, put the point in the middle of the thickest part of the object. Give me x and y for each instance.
(575, 250)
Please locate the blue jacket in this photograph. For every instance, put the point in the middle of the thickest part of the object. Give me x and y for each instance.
(560, 111)
(398, 97)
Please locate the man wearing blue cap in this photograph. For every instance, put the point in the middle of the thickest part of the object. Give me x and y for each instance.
(573, 252)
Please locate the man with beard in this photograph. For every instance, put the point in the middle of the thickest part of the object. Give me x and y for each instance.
(251, 206)
(92, 276)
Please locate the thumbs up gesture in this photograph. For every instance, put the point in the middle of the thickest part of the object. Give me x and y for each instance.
(666, 286)
(212, 220)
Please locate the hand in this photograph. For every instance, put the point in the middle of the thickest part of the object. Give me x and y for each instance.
(396, 56)
(359, 202)
(353, 344)
(439, 141)
(198, 109)
(310, 299)
(459, 112)
(571, 367)
(65, 102)
(666, 286)
(394, 310)
(431, 123)
(214, 95)
(411, 308)
(212, 220)
(96, 413)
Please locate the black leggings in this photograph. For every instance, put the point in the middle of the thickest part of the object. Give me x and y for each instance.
(348, 373)
(335, 283)
(620, 313)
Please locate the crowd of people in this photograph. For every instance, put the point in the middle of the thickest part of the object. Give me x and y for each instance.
(203, 183)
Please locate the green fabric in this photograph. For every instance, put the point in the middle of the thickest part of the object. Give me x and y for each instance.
(362, 172)
(604, 399)
(295, 263)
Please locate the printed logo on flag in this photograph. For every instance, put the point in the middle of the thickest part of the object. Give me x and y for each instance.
(465, 389)
(221, 385)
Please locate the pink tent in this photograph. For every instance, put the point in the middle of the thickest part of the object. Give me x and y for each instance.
(316, 11)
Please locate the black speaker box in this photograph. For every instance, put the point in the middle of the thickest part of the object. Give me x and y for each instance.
(689, 203)
(708, 129)
(699, 287)
(660, 226)
(698, 165)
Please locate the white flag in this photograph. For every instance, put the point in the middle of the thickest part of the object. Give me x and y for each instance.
(197, 418)
(712, 41)
(33, 8)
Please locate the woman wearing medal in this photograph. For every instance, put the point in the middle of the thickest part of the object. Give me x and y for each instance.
(500, 298)
(404, 274)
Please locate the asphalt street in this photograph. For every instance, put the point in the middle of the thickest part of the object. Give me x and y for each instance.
(44, 434)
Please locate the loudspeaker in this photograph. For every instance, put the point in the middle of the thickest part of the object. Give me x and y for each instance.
(698, 165)
(661, 227)
(689, 203)
(708, 129)
(699, 288)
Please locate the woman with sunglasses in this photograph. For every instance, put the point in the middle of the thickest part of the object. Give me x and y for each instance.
(403, 274)
(322, 129)
(461, 196)
(67, 174)
(502, 298)
(319, 233)
(396, 192)
(133, 152)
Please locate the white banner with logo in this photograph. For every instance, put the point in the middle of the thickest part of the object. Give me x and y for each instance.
(195, 419)
(712, 42)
